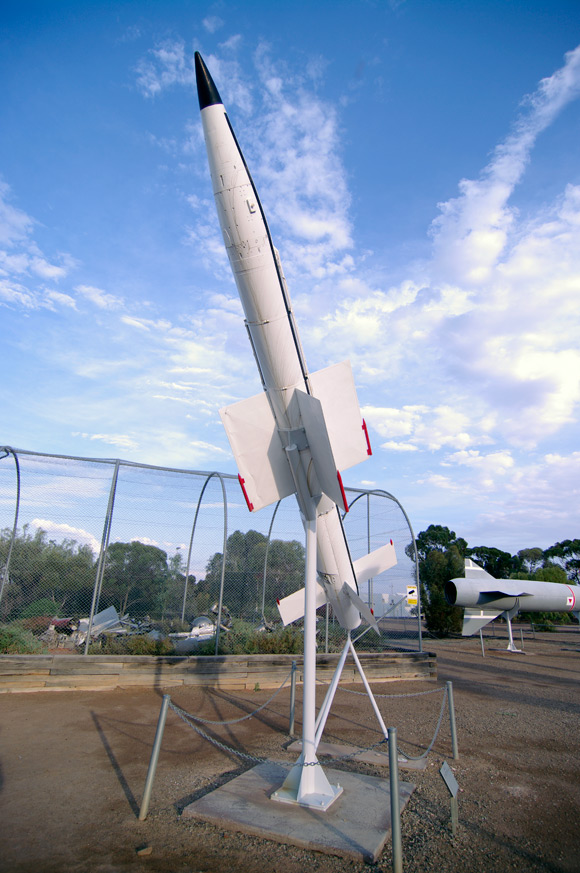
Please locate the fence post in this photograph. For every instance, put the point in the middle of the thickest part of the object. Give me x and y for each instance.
(6, 571)
(102, 555)
(395, 805)
(454, 748)
(154, 758)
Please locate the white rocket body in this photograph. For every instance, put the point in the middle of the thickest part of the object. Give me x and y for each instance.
(484, 597)
(304, 428)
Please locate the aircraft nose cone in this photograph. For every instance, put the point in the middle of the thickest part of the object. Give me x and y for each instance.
(207, 92)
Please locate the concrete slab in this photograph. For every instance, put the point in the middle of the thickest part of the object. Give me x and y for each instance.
(337, 750)
(356, 826)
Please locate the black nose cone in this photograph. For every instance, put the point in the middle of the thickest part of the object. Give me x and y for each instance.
(207, 92)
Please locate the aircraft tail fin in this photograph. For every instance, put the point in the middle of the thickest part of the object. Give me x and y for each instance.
(475, 619)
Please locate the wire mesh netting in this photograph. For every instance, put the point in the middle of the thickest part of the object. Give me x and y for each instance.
(92, 545)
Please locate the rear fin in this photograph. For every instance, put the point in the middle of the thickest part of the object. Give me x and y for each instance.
(258, 451)
(334, 387)
(376, 562)
(291, 607)
(362, 607)
(327, 473)
(475, 619)
(474, 571)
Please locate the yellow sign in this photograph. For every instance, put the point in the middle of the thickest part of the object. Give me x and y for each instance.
(411, 595)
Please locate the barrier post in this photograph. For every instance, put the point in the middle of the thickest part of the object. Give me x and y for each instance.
(452, 725)
(395, 804)
(154, 758)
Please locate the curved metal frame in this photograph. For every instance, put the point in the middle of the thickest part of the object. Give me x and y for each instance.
(185, 587)
(388, 495)
(6, 569)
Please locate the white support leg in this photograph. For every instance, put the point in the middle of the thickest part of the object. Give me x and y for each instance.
(511, 645)
(306, 784)
(325, 708)
(368, 690)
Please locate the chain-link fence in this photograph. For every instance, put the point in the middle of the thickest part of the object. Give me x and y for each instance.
(90, 544)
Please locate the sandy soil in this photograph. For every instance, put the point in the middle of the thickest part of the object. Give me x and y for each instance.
(73, 768)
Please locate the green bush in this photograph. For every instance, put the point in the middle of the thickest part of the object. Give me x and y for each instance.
(244, 639)
(131, 645)
(43, 607)
(15, 640)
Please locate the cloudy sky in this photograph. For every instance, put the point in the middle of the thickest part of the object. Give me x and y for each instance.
(419, 164)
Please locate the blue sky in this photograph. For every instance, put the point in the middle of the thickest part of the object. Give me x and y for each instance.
(419, 166)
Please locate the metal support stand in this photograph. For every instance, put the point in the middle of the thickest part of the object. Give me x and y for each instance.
(154, 758)
(395, 804)
(325, 708)
(508, 615)
(306, 783)
(451, 705)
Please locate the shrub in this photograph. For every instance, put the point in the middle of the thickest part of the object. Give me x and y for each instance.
(15, 640)
(43, 607)
(141, 644)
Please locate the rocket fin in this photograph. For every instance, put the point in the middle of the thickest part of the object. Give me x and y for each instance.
(258, 451)
(334, 387)
(490, 587)
(475, 619)
(474, 571)
(361, 606)
(313, 420)
(374, 563)
(291, 607)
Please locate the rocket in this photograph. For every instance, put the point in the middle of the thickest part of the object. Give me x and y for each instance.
(484, 598)
(304, 428)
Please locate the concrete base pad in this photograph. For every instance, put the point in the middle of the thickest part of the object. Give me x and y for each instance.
(337, 750)
(356, 825)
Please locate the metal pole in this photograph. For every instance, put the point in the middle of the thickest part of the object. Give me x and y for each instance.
(6, 571)
(102, 555)
(154, 758)
(481, 641)
(225, 545)
(395, 804)
(454, 748)
(292, 699)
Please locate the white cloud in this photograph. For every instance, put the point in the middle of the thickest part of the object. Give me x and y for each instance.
(99, 297)
(65, 531)
(121, 441)
(472, 230)
(212, 23)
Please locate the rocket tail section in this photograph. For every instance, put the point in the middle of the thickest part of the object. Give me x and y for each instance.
(475, 619)
(291, 608)
(334, 434)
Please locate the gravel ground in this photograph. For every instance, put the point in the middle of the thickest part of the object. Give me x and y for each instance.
(73, 767)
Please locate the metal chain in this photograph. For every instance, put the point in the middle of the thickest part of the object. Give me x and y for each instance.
(432, 743)
(385, 696)
(187, 717)
(233, 720)
(184, 717)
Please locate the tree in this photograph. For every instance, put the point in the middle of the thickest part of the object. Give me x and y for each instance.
(531, 558)
(244, 573)
(498, 564)
(567, 554)
(441, 556)
(135, 578)
(44, 572)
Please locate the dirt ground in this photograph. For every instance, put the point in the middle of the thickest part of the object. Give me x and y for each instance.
(73, 768)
